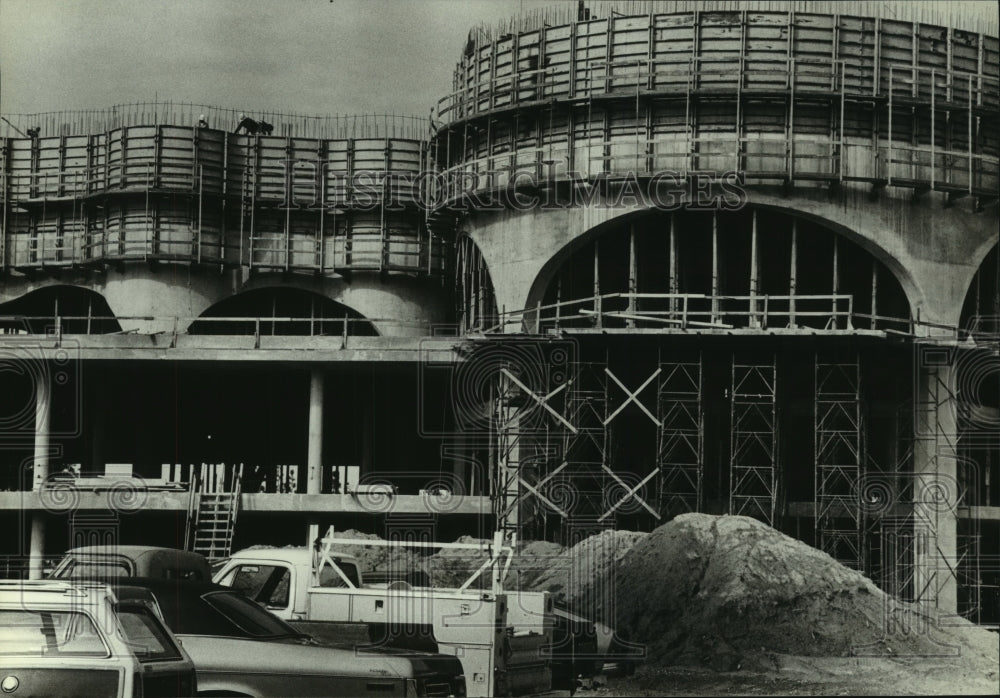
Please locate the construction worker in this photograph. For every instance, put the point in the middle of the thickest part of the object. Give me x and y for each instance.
(248, 125)
(266, 129)
(202, 122)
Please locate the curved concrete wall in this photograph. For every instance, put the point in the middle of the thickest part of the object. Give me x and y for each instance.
(398, 306)
(169, 298)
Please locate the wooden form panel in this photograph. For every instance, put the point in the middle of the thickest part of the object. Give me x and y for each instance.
(762, 137)
(678, 52)
(358, 240)
(235, 209)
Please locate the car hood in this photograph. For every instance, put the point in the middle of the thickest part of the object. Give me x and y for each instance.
(227, 654)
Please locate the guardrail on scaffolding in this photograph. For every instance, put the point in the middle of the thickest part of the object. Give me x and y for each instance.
(693, 311)
(55, 326)
(610, 311)
(77, 121)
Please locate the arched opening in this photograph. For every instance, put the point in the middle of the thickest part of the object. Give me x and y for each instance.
(282, 311)
(475, 298)
(753, 268)
(74, 310)
(977, 380)
(981, 309)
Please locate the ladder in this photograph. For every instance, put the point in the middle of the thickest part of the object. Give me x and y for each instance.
(211, 517)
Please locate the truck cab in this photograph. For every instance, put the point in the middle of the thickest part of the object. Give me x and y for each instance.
(280, 578)
(324, 593)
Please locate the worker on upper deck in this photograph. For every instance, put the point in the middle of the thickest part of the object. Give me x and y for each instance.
(248, 125)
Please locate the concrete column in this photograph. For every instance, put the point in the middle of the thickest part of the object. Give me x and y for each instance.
(935, 491)
(315, 453)
(43, 413)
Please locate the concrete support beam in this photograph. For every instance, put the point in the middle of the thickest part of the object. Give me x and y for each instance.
(43, 414)
(315, 451)
(936, 491)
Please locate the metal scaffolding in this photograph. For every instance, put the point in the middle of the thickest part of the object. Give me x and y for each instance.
(505, 490)
(888, 501)
(969, 572)
(584, 467)
(630, 496)
(529, 416)
(753, 452)
(680, 437)
(838, 460)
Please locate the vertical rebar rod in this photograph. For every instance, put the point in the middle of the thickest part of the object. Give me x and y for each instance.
(754, 322)
(715, 266)
(793, 274)
(632, 276)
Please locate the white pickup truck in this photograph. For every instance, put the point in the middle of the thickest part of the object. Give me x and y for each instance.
(504, 640)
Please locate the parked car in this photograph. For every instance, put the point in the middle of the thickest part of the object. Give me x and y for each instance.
(107, 562)
(239, 649)
(67, 639)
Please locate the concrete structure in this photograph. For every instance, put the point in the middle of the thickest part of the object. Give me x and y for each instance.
(672, 258)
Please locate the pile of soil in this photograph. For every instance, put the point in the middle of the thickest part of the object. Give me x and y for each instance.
(728, 591)
(451, 568)
(397, 561)
(585, 576)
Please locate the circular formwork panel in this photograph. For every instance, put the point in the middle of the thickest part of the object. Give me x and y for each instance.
(775, 95)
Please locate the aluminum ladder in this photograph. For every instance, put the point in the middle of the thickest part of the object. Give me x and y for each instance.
(212, 512)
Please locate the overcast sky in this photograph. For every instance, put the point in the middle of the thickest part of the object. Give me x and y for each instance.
(313, 57)
(306, 56)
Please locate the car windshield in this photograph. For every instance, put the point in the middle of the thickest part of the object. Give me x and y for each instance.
(146, 636)
(49, 633)
(248, 616)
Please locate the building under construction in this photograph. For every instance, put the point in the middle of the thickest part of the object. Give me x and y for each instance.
(646, 259)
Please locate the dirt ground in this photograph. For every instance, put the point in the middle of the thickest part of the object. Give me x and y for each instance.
(726, 605)
(729, 606)
(803, 676)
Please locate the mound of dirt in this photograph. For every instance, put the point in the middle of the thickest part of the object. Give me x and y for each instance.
(725, 591)
(586, 575)
(376, 558)
(450, 567)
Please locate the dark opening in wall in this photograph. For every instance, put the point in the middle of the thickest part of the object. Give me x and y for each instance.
(833, 283)
(282, 311)
(76, 310)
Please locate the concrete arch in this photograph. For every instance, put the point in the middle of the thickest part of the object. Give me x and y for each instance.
(145, 298)
(171, 296)
(313, 311)
(80, 309)
(928, 247)
(14, 288)
(476, 292)
(541, 287)
(397, 305)
(983, 292)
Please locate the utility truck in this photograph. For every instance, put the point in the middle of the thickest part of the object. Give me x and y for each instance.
(505, 640)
